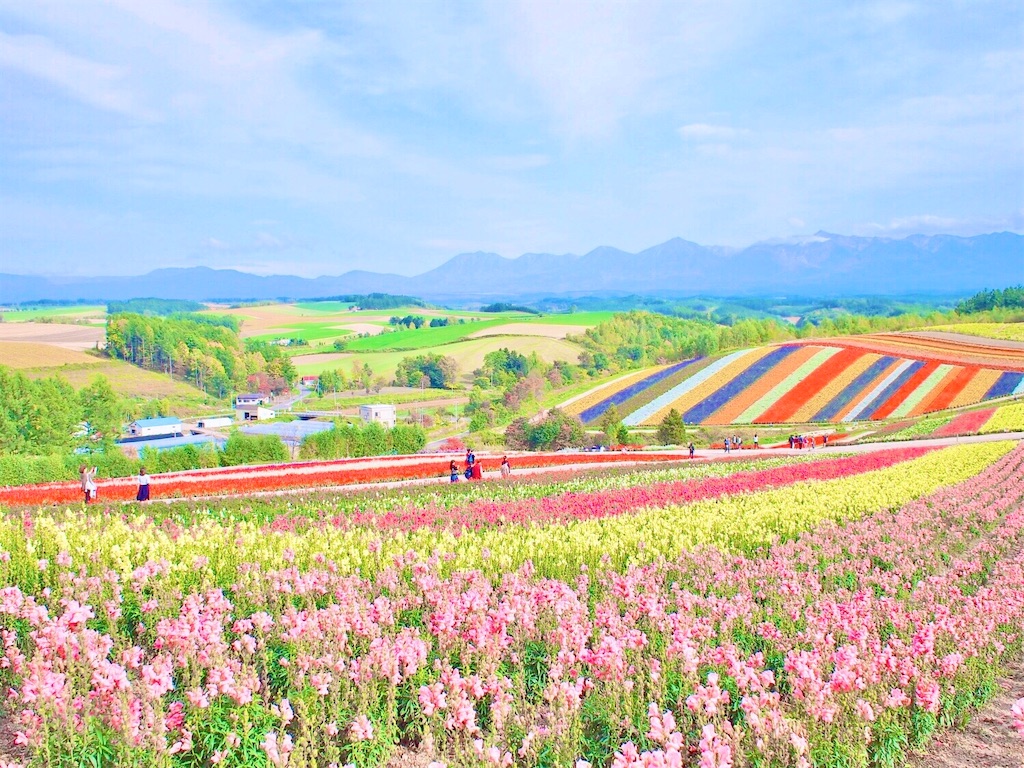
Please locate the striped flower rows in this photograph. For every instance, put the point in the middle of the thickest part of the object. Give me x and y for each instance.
(596, 411)
(800, 383)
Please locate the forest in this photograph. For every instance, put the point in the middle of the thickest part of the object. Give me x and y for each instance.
(201, 349)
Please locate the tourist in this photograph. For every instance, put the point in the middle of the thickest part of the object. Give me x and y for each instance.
(478, 469)
(791, 441)
(454, 469)
(824, 441)
(506, 468)
(143, 493)
(726, 445)
(692, 449)
(88, 477)
(756, 446)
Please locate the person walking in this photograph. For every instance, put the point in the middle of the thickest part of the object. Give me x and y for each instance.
(143, 493)
(506, 468)
(454, 469)
(824, 441)
(756, 446)
(88, 478)
(691, 449)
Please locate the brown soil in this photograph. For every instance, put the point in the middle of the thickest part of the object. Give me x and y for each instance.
(963, 338)
(989, 740)
(59, 334)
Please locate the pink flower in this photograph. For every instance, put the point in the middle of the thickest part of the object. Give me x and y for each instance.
(361, 729)
(1017, 710)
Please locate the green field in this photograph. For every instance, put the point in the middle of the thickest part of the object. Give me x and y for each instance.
(469, 354)
(69, 313)
(588, 319)
(307, 331)
(419, 338)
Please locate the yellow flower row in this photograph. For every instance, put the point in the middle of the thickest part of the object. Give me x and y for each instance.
(1007, 418)
(209, 553)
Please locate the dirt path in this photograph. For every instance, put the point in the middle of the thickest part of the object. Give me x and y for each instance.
(989, 740)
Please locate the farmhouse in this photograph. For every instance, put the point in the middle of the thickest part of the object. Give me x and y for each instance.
(253, 412)
(160, 427)
(249, 399)
(310, 381)
(382, 414)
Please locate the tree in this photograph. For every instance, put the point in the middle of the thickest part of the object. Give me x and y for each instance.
(102, 408)
(610, 423)
(672, 430)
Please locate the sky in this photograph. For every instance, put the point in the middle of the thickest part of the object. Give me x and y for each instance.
(314, 138)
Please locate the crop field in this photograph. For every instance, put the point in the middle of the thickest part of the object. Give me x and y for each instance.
(93, 313)
(126, 379)
(842, 380)
(23, 354)
(834, 611)
(65, 335)
(1001, 331)
(469, 354)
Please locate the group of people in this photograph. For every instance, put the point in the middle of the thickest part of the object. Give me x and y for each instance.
(87, 475)
(474, 469)
(736, 442)
(806, 441)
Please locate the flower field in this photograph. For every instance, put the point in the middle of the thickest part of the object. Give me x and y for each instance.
(592, 406)
(1007, 418)
(247, 479)
(837, 382)
(786, 612)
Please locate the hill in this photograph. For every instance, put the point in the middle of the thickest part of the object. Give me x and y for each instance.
(870, 377)
(824, 264)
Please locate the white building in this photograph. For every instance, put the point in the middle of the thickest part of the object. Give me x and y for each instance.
(248, 399)
(382, 414)
(253, 413)
(160, 427)
(215, 422)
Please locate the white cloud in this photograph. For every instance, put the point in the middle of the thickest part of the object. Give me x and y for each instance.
(100, 85)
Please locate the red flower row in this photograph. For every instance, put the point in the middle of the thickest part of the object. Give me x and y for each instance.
(234, 481)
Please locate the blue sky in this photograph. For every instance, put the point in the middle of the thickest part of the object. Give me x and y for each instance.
(318, 137)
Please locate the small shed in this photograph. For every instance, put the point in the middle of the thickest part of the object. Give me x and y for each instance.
(253, 413)
(382, 414)
(163, 426)
(310, 381)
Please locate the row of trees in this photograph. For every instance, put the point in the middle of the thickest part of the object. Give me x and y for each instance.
(983, 301)
(198, 348)
(354, 440)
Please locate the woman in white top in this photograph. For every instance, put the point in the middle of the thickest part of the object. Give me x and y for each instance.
(143, 494)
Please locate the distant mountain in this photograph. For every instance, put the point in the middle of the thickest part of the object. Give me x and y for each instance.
(824, 264)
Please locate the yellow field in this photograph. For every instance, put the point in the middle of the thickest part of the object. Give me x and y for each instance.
(126, 379)
(24, 354)
(1003, 331)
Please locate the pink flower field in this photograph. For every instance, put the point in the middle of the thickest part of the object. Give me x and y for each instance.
(847, 645)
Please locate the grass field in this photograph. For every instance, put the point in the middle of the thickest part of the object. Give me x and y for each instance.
(24, 354)
(469, 354)
(69, 313)
(126, 379)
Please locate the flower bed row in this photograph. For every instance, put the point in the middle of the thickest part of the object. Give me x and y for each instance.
(845, 646)
(969, 423)
(231, 481)
(596, 411)
(1007, 418)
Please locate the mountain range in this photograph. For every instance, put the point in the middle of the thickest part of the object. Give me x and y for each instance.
(824, 264)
